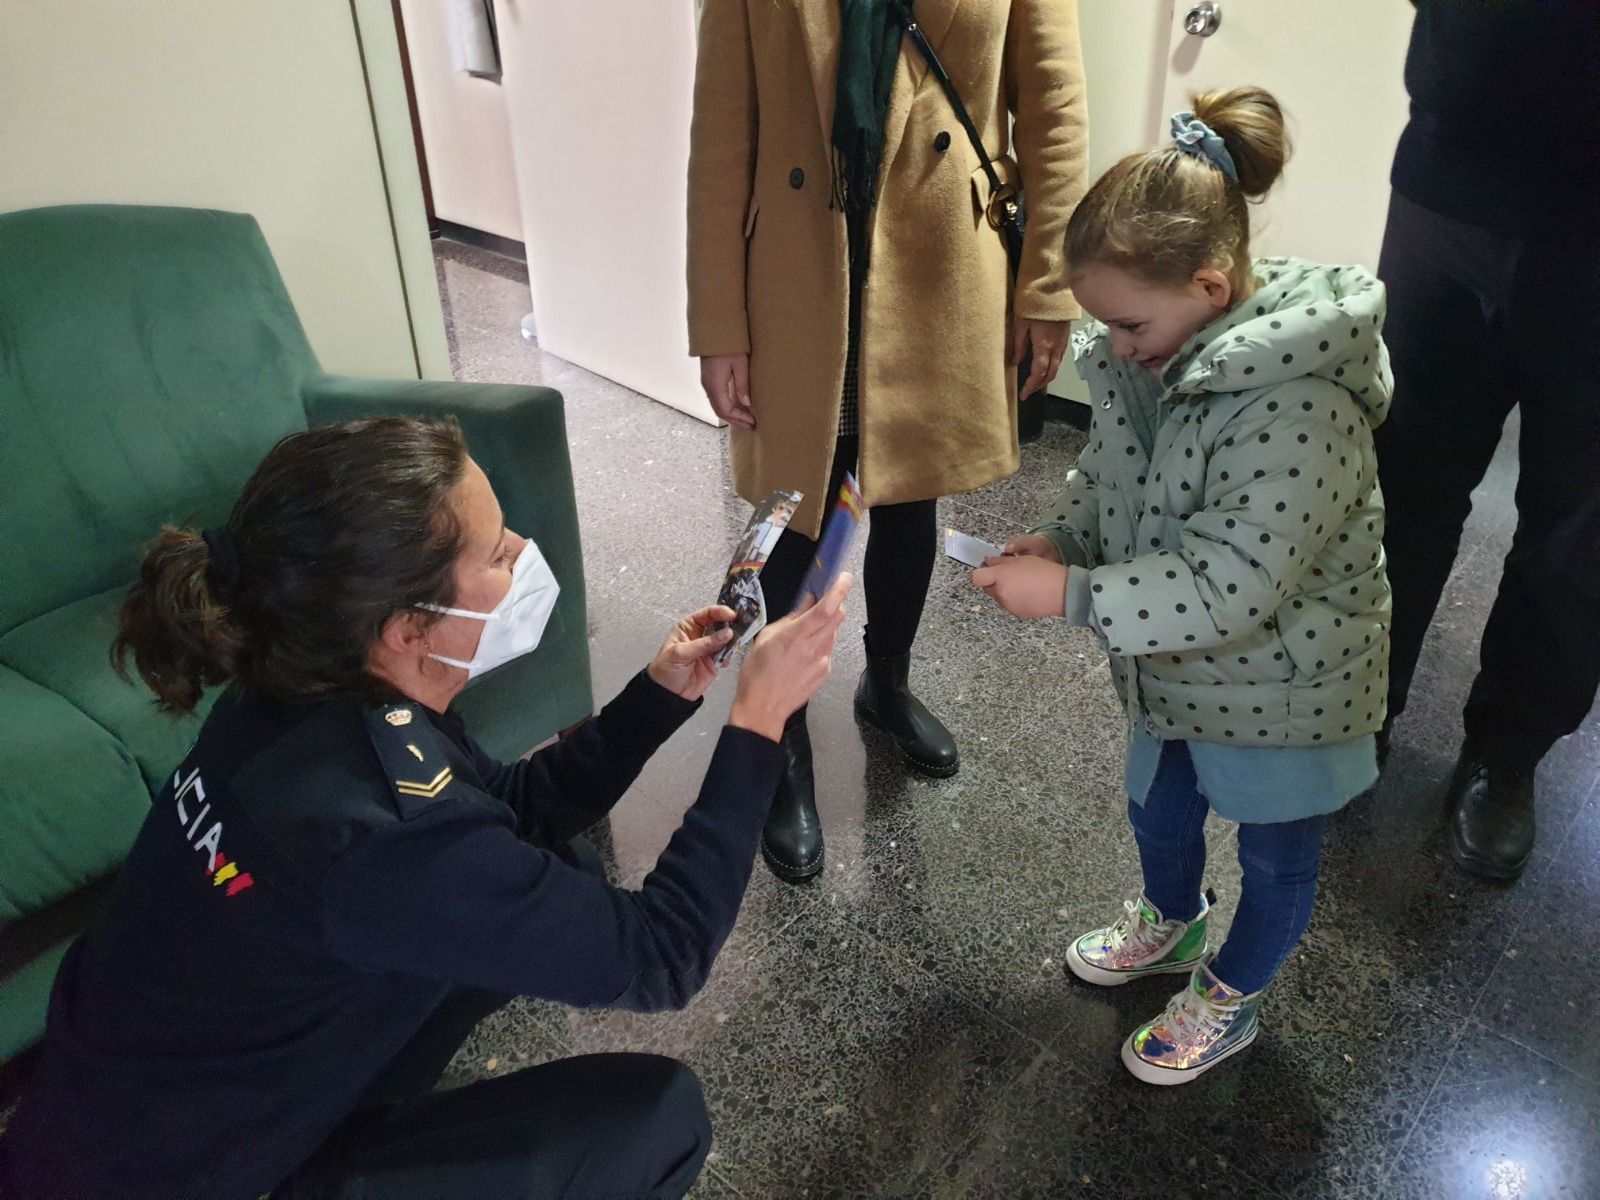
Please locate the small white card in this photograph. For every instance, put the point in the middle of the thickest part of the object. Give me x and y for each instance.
(967, 549)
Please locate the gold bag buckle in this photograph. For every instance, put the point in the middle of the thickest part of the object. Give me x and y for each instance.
(1002, 207)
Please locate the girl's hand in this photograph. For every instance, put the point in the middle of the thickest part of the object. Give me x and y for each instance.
(726, 380)
(1025, 586)
(1033, 545)
(686, 665)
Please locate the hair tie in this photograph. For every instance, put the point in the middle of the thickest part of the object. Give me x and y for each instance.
(1194, 136)
(224, 554)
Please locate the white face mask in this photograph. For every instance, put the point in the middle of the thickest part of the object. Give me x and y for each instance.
(517, 622)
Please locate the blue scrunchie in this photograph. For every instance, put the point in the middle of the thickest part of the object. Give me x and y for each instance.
(1194, 136)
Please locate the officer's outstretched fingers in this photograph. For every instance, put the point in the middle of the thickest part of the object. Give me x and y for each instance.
(788, 663)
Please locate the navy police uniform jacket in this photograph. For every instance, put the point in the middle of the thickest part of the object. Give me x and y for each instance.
(311, 883)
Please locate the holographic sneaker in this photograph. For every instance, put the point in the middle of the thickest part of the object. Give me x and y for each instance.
(1141, 942)
(1203, 1024)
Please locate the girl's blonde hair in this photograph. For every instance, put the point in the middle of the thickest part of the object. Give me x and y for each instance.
(1167, 213)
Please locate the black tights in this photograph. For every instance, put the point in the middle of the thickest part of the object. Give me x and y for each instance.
(901, 542)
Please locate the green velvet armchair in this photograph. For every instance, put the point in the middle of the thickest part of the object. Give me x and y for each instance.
(149, 358)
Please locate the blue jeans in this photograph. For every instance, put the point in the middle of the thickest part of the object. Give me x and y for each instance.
(1280, 872)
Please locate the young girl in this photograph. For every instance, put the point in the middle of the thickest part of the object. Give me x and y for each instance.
(1222, 533)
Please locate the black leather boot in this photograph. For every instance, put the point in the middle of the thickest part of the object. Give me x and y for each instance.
(1030, 417)
(1491, 824)
(791, 843)
(884, 701)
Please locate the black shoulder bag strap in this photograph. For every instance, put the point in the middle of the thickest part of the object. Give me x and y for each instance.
(1005, 205)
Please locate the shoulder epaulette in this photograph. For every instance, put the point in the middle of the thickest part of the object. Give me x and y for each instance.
(412, 756)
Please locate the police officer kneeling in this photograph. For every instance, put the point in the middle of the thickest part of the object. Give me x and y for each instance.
(338, 883)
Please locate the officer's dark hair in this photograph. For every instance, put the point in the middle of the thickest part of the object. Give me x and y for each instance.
(338, 528)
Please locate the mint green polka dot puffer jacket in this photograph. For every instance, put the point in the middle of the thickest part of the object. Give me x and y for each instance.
(1235, 567)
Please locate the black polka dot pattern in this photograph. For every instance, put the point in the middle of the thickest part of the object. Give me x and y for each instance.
(1271, 593)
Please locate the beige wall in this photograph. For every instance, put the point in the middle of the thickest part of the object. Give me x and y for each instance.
(258, 106)
(1125, 67)
(464, 128)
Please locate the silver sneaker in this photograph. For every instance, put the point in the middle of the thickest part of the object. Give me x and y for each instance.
(1141, 942)
(1205, 1023)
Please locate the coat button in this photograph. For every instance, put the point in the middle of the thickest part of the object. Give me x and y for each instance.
(797, 178)
(942, 142)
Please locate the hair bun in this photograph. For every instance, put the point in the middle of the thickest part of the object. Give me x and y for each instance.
(1250, 122)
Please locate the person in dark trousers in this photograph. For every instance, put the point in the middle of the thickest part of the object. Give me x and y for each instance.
(1492, 260)
(338, 883)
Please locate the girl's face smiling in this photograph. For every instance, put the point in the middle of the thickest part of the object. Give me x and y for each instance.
(1150, 322)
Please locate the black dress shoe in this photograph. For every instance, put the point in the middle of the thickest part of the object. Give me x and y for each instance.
(884, 701)
(791, 843)
(1491, 826)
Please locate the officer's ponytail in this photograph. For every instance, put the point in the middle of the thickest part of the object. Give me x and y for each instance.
(338, 529)
(175, 626)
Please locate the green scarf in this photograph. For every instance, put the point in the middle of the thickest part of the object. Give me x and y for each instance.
(869, 51)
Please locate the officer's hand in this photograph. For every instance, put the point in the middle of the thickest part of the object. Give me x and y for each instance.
(686, 665)
(788, 663)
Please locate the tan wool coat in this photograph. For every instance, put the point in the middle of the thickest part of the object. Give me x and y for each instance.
(768, 274)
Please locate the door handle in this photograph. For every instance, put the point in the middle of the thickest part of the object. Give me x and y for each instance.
(1203, 19)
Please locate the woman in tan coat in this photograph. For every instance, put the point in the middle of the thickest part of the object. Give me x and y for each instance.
(851, 305)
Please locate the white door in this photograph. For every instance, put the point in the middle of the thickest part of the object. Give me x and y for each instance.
(1337, 70)
(599, 96)
(1336, 67)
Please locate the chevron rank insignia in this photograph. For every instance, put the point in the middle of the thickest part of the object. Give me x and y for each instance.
(415, 761)
(424, 790)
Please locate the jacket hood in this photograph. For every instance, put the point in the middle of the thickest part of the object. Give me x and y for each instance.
(1304, 319)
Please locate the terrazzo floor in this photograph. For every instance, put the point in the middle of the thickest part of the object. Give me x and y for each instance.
(904, 1025)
